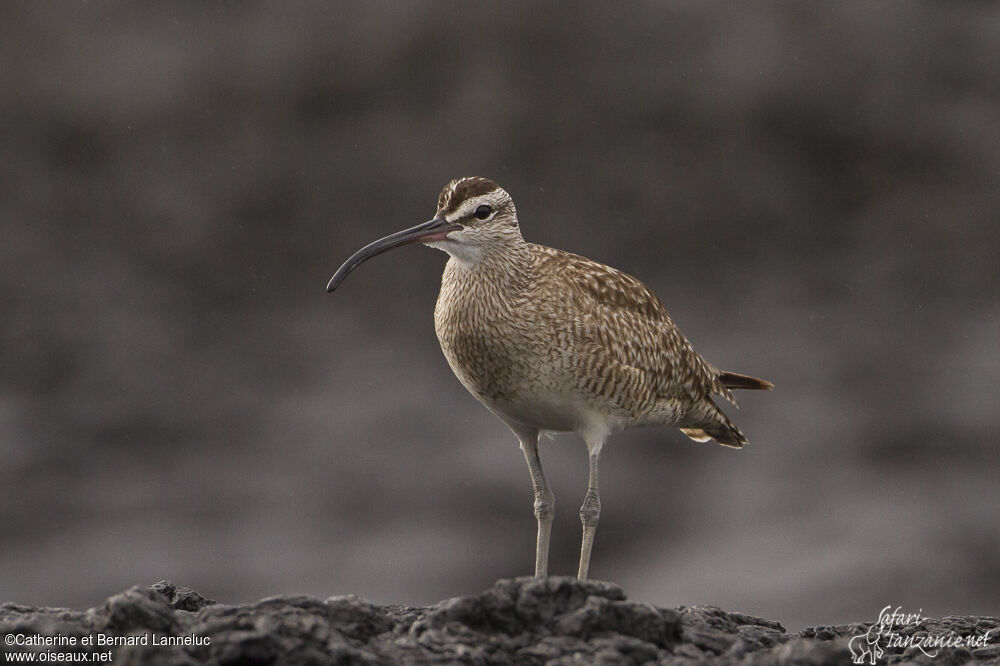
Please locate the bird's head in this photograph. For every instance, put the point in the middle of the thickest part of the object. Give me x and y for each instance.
(484, 213)
(474, 217)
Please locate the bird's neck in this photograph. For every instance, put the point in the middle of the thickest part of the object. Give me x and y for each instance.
(504, 268)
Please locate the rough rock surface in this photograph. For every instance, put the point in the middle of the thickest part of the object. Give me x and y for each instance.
(517, 621)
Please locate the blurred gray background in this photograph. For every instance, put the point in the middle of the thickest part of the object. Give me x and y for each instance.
(811, 188)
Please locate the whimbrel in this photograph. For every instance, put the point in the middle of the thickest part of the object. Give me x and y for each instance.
(552, 342)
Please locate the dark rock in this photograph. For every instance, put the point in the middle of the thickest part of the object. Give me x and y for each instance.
(136, 609)
(801, 652)
(601, 617)
(517, 621)
(182, 598)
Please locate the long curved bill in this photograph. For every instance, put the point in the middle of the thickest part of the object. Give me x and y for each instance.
(436, 229)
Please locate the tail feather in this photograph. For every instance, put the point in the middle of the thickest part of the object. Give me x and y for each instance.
(735, 380)
(714, 424)
(707, 422)
(697, 434)
(725, 434)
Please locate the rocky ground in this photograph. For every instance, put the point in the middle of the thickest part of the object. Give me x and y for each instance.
(522, 621)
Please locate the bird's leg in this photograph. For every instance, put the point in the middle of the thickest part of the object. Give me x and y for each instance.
(545, 502)
(590, 512)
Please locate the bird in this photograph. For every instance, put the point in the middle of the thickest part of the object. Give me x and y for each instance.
(551, 342)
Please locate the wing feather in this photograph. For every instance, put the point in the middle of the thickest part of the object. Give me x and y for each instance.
(623, 324)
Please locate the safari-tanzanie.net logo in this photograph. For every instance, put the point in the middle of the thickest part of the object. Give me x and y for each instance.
(890, 632)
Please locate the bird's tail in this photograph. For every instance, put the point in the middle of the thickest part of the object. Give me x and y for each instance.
(710, 422)
(725, 433)
(734, 380)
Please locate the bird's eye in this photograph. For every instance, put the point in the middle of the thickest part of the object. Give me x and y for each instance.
(483, 212)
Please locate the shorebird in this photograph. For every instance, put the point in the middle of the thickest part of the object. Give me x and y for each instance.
(551, 342)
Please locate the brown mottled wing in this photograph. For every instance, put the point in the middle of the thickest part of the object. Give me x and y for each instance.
(624, 325)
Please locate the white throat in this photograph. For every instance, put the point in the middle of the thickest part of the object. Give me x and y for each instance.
(464, 254)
